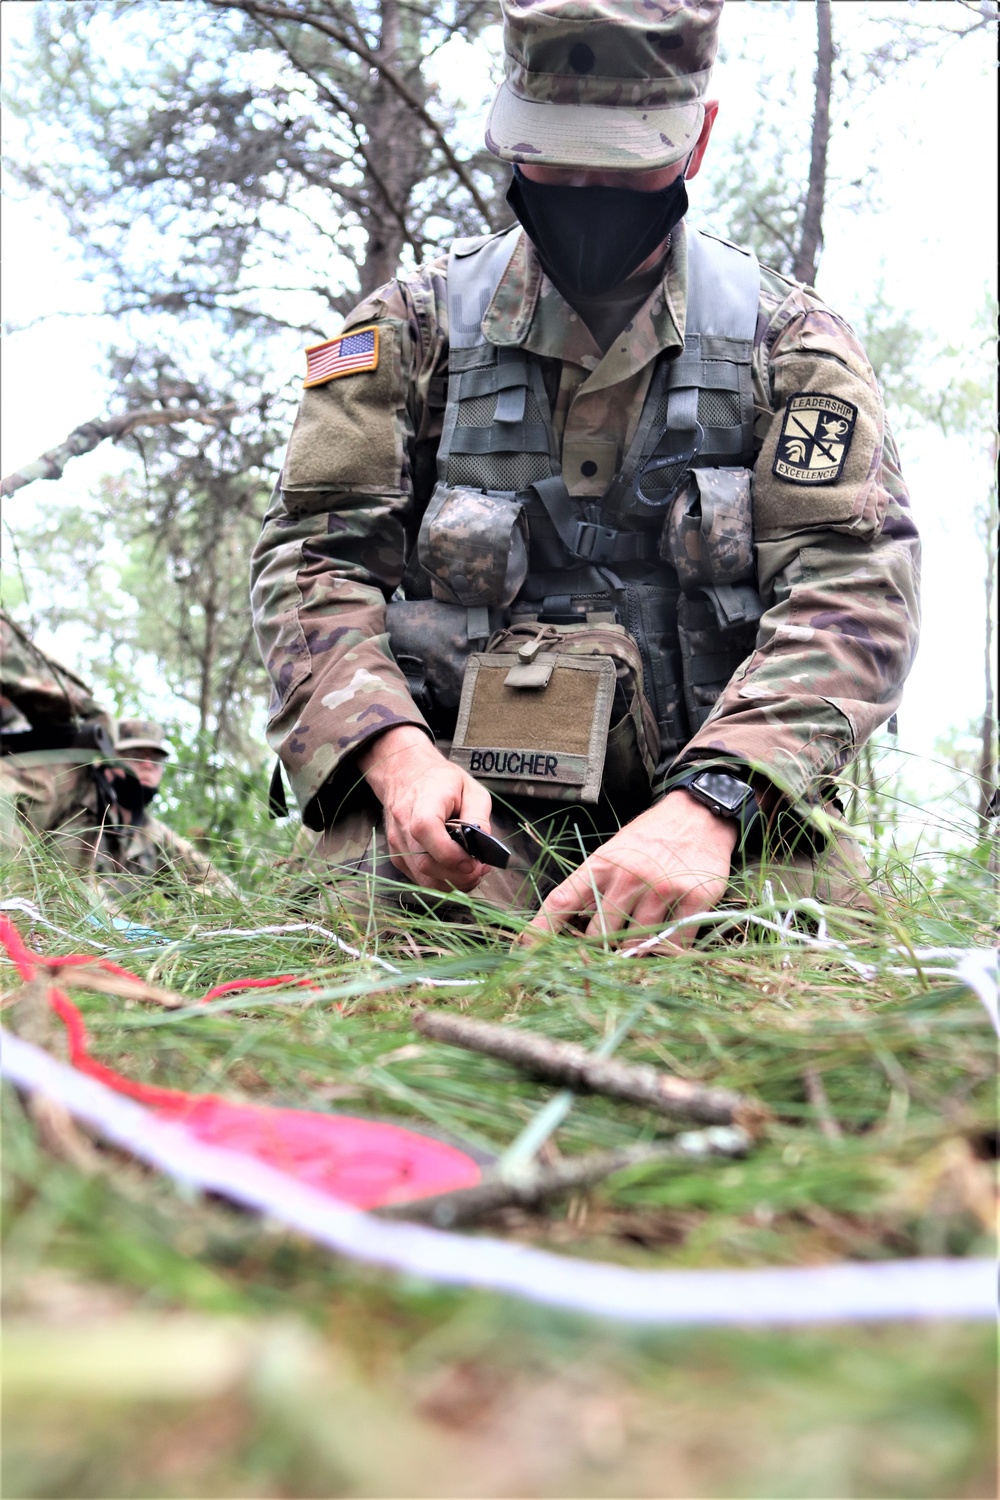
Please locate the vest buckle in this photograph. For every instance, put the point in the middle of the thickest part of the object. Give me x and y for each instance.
(593, 543)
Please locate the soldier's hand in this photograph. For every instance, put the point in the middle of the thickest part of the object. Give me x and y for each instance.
(418, 790)
(670, 862)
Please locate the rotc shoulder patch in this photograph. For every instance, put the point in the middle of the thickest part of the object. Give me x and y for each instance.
(815, 439)
(352, 354)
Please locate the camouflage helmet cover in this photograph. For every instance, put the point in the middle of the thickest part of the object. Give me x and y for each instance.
(141, 734)
(613, 84)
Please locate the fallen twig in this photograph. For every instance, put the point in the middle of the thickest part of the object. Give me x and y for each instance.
(531, 1185)
(816, 1094)
(574, 1067)
(86, 976)
(60, 1135)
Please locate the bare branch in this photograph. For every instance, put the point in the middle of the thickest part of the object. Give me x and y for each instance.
(258, 8)
(89, 434)
(532, 1185)
(339, 103)
(771, 228)
(574, 1067)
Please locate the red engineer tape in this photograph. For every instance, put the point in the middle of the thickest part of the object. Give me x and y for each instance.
(367, 1163)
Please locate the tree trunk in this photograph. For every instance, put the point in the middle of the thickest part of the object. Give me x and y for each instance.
(987, 773)
(811, 237)
(394, 141)
(209, 647)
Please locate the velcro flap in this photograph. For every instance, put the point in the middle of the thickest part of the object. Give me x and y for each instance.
(532, 674)
(549, 743)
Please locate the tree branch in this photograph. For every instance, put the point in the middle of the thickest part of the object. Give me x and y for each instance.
(89, 434)
(531, 1186)
(765, 223)
(258, 8)
(574, 1067)
(339, 103)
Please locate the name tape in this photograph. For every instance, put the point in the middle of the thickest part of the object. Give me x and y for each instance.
(524, 765)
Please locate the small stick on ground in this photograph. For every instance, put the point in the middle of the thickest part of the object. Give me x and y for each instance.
(59, 1134)
(816, 1094)
(574, 1067)
(93, 977)
(531, 1185)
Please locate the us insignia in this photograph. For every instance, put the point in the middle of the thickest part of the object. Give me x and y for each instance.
(815, 439)
(352, 354)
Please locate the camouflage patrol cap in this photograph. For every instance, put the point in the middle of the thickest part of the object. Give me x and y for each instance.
(614, 84)
(141, 734)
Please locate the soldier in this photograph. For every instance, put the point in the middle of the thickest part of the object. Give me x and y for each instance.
(593, 531)
(137, 847)
(55, 736)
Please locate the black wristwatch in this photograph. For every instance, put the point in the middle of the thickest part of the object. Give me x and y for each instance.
(727, 796)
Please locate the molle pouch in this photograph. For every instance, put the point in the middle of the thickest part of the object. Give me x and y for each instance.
(474, 546)
(431, 642)
(708, 537)
(557, 712)
(708, 534)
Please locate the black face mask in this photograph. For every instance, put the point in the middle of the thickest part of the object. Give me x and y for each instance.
(590, 239)
(133, 796)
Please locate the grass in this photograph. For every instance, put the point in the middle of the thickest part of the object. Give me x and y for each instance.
(299, 1374)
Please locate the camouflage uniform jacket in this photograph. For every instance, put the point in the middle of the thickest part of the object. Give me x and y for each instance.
(48, 790)
(35, 690)
(837, 564)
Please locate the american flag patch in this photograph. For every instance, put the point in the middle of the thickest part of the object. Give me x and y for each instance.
(351, 354)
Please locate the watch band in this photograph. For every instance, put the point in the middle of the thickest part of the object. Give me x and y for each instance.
(723, 794)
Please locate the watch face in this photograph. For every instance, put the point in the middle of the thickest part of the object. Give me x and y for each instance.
(727, 791)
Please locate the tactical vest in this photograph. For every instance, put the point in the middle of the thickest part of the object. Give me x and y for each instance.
(667, 549)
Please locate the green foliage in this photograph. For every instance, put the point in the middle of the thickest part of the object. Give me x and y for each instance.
(211, 162)
(756, 193)
(221, 803)
(161, 557)
(950, 386)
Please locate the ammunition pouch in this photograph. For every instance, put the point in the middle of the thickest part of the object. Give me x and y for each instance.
(431, 642)
(474, 546)
(707, 538)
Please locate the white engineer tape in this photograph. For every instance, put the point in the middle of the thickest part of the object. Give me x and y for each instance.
(813, 1294)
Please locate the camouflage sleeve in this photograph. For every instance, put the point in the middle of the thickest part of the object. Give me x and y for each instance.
(837, 557)
(357, 473)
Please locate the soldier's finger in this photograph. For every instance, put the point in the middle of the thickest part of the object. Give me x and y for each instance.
(574, 897)
(438, 844)
(700, 894)
(435, 877)
(612, 906)
(409, 857)
(542, 924)
(477, 804)
(439, 800)
(653, 911)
